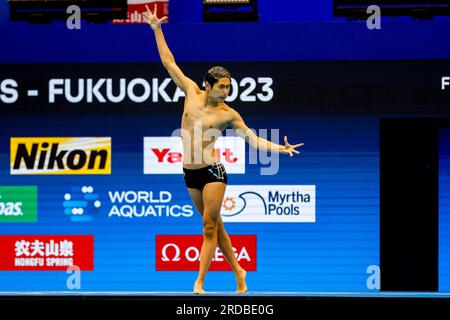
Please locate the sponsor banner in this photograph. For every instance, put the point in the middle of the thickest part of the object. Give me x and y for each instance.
(46, 252)
(85, 204)
(18, 203)
(50, 156)
(137, 7)
(182, 253)
(82, 204)
(269, 203)
(164, 155)
(144, 204)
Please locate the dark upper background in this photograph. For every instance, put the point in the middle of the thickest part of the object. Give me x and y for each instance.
(289, 30)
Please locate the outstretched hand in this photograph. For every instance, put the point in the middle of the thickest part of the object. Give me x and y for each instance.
(152, 19)
(290, 149)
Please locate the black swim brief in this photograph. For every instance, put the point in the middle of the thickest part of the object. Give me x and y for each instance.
(198, 178)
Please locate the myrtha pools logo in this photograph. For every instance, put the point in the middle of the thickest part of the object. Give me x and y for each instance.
(81, 203)
(263, 203)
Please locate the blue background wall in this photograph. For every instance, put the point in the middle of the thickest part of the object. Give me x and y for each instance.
(330, 255)
(444, 210)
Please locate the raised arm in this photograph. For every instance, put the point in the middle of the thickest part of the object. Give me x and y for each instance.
(241, 129)
(168, 61)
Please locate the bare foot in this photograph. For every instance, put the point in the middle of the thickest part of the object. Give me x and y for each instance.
(240, 278)
(198, 288)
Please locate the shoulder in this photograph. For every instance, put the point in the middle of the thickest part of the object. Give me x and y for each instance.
(194, 89)
(233, 113)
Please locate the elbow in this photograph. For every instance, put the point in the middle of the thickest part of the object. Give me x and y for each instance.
(254, 144)
(167, 61)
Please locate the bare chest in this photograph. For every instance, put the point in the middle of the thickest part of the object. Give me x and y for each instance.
(197, 116)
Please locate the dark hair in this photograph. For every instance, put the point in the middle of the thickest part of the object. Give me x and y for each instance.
(214, 74)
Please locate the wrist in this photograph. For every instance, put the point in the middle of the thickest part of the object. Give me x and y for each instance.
(156, 29)
(280, 148)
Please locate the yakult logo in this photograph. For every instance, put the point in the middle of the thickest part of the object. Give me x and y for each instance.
(182, 253)
(164, 155)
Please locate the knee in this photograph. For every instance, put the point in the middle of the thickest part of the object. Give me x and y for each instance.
(209, 228)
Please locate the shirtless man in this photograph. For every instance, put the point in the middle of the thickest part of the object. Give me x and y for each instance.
(205, 177)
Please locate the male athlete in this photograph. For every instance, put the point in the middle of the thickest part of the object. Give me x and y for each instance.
(205, 177)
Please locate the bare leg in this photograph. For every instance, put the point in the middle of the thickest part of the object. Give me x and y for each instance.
(212, 196)
(225, 246)
(224, 243)
(196, 196)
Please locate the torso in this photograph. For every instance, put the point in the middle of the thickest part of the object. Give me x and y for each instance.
(197, 119)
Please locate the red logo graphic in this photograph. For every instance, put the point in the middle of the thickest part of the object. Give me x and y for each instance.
(137, 7)
(171, 157)
(174, 157)
(182, 253)
(164, 155)
(229, 204)
(38, 252)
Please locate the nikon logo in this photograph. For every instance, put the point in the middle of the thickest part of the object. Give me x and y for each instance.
(61, 155)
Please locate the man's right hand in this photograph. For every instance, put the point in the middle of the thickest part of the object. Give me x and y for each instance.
(152, 19)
